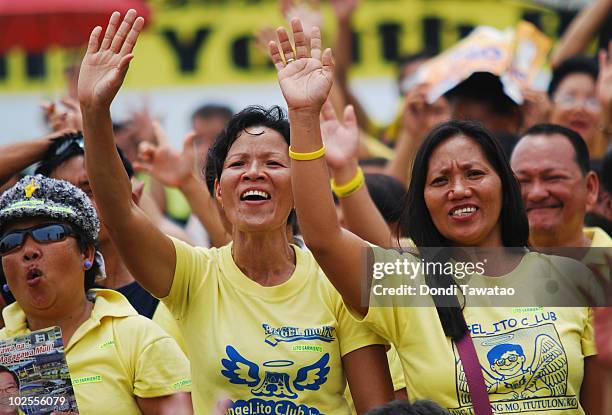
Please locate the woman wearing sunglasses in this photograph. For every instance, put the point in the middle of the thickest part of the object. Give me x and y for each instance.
(463, 197)
(119, 362)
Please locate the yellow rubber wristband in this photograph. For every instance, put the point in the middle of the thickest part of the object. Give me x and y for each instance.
(307, 156)
(351, 187)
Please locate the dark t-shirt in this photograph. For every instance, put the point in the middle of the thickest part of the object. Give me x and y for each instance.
(140, 299)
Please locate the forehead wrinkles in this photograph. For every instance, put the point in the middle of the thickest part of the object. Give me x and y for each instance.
(269, 142)
(458, 152)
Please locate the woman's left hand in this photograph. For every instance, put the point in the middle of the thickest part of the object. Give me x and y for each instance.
(305, 76)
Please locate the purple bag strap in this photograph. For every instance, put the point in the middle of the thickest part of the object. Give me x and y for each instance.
(473, 373)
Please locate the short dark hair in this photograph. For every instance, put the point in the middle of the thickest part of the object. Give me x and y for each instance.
(212, 111)
(67, 146)
(416, 220)
(581, 151)
(252, 116)
(387, 193)
(487, 88)
(4, 369)
(420, 407)
(575, 64)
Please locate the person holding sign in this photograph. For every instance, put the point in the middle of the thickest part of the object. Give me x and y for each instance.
(119, 361)
(462, 195)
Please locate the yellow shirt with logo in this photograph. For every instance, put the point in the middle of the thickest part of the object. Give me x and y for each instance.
(271, 350)
(115, 356)
(532, 358)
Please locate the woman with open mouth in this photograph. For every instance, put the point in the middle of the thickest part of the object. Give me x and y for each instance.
(119, 362)
(462, 196)
(262, 325)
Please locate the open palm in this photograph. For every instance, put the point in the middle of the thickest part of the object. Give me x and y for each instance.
(105, 64)
(305, 79)
(341, 138)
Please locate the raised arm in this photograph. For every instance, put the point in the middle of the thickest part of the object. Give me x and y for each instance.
(342, 146)
(581, 31)
(344, 11)
(148, 253)
(305, 82)
(604, 92)
(17, 156)
(419, 118)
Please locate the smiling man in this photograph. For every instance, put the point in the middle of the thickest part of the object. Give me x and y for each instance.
(552, 165)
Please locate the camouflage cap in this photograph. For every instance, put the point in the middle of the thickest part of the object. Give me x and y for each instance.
(41, 196)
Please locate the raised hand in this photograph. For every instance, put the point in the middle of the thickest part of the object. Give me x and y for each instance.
(344, 9)
(536, 107)
(307, 11)
(105, 64)
(163, 162)
(263, 36)
(305, 76)
(604, 81)
(419, 116)
(68, 118)
(341, 137)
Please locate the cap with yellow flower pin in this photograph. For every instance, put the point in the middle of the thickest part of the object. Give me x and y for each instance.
(43, 197)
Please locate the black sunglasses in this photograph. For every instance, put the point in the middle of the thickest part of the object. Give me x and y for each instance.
(45, 233)
(77, 141)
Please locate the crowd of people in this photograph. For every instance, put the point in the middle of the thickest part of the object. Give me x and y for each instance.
(234, 276)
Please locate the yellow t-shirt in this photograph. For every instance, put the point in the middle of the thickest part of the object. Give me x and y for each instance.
(115, 356)
(532, 357)
(268, 349)
(599, 238)
(166, 321)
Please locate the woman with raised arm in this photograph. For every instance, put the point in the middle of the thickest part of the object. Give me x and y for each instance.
(462, 194)
(262, 325)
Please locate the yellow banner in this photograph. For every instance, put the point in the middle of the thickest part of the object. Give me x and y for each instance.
(197, 42)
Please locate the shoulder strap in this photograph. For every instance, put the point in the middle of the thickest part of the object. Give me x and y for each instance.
(473, 373)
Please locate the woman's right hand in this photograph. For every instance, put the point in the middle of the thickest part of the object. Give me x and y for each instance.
(305, 76)
(105, 65)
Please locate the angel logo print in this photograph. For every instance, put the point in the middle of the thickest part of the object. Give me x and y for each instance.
(274, 379)
(526, 370)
